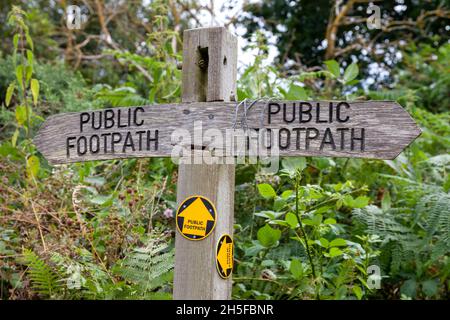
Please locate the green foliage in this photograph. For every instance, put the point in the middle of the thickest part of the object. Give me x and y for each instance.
(333, 67)
(351, 72)
(82, 277)
(23, 65)
(308, 232)
(145, 273)
(268, 236)
(149, 268)
(315, 258)
(43, 279)
(399, 213)
(123, 96)
(424, 70)
(266, 190)
(412, 246)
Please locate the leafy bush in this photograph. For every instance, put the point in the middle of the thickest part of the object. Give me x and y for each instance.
(103, 230)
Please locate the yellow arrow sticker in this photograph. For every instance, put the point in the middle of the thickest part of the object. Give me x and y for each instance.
(224, 256)
(196, 218)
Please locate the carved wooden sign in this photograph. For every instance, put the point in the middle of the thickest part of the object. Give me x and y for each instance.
(368, 129)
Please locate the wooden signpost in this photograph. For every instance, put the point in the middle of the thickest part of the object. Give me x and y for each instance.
(366, 129)
(207, 122)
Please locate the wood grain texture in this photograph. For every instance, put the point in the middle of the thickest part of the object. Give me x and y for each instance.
(195, 275)
(209, 81)
(388, 129)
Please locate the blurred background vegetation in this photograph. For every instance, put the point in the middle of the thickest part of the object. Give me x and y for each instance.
(104, 230)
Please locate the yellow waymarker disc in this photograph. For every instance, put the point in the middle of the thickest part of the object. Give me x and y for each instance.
(196, 218)
(224, 256)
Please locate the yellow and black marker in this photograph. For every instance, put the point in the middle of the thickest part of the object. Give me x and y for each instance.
(196, 218)
(224, 256)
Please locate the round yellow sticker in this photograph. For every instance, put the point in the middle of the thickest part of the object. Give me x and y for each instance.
(196, 218)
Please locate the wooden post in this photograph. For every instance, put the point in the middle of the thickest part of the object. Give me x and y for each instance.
(209, 74)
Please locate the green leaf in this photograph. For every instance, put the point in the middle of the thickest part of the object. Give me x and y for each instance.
(358, 292)
(21, 115)
(269, 214)
(16, 41)
(333, 67)
(29, 40)
(268, 236)
(9, 92)
(409, 288)
(19, 75)
(267, 263)
(294, 164)
(361, 202)
(317, 219)
(353, 82)
(266, 191)
(351, 72)
(296, 93)
(330, 221)
(278, 204)
(430, 287)
(35, 90)
(348, 200)
(33, 166)
(291, 219)
(101, 200)
(338, 242)
(14, 137)
(386, 201)
(242, 94)
(286, 194)
(339, 204)
(296, 268)
(30, 57)
(323, 209)
(28, 72)
(324, 242)
(334, 252)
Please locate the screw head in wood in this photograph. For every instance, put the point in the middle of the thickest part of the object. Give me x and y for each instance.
(202, 64)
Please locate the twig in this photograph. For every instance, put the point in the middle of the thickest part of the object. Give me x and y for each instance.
(39, 226)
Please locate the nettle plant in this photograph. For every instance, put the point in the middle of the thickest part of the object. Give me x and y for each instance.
(302, 248)
(24, 89)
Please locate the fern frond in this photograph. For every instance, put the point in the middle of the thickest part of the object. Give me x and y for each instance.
(435, 210)
(149, 268)
(384, 224)
(123, 96)
(44, 280)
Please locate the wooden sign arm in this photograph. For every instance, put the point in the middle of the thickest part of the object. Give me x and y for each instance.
(306, 128)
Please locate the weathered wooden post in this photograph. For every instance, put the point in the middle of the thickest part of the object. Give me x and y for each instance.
(209, 74)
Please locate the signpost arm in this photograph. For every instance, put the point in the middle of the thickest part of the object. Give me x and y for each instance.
(209, 74)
